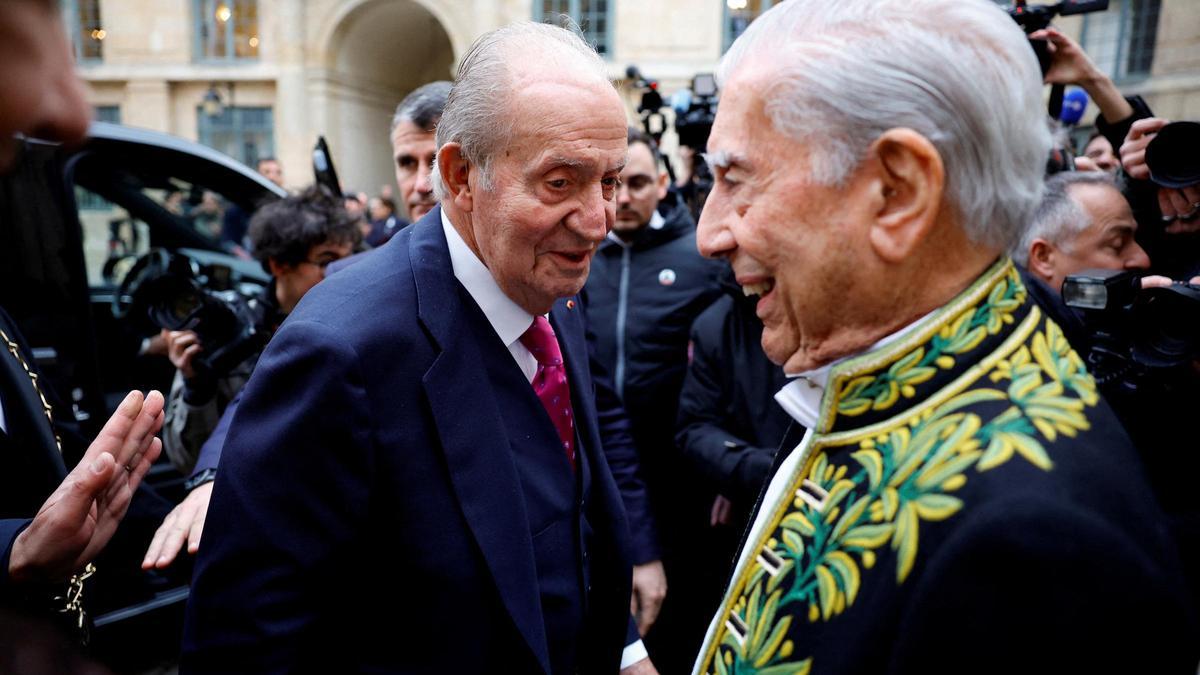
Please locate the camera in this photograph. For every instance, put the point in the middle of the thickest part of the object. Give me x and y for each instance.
(1173, 157)
(1138, 333)
(695, 111)
(177, 293)
(1032, 18)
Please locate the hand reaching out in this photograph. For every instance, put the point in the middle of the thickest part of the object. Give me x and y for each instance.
(80, 517)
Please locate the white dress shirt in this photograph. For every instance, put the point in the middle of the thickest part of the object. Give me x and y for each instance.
(510, 321)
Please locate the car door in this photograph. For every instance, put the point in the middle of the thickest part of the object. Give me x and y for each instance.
(72, 221)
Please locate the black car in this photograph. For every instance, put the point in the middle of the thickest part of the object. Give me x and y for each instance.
(73, 222)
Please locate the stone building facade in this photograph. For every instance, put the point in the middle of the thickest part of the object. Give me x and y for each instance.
(257, 77)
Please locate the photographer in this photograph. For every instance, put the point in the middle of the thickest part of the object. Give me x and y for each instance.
(294, 239)
(1168, 205)
(1082, 223)
(1085, 224)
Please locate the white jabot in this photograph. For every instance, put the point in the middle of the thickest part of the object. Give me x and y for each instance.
(507, 318)
(510, 321)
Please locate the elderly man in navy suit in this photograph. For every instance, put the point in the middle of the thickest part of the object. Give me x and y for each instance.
(414, 482)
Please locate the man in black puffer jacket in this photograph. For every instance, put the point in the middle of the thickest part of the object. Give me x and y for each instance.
(647, 284)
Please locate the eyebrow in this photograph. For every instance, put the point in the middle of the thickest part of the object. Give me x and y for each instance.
(722, 159)
(576, 164)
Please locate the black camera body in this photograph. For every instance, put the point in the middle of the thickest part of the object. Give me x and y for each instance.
(694, 123)
(1173, 156)
(1138, 333)
(179, 294)
(1032, 18)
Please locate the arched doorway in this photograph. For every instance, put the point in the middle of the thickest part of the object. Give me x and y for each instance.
(379, 50)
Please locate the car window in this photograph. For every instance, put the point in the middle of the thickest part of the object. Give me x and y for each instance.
(124, 214)
(110, 235)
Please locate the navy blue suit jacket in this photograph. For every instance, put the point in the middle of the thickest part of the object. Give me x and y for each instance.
(368, 515)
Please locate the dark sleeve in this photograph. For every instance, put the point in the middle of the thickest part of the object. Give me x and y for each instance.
(9, 529)
(288, 505)
(1117, 130)
(737, 467)
(210, 451)
(1033, 588)
(616, 438)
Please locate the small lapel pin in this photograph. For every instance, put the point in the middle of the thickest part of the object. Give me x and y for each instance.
(570, 304)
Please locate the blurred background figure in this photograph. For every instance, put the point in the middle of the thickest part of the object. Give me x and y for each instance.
(1083, 223)
(413, 146)
(294, 240)
(647, 284)
(384, 222)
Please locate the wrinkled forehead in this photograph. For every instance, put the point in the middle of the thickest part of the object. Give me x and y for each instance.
(572, 121)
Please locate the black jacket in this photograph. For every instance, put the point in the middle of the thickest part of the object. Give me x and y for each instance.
(729, 424)
(641, 301)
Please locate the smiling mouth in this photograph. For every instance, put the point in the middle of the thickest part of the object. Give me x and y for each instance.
(760, 289)
(573, 257)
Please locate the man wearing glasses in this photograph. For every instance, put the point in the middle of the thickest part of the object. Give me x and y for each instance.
(294, 239)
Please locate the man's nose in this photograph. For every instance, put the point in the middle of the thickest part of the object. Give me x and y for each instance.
(1138, 259)
(623, 194)
(714, 239)
(424, 183)
(594, 216)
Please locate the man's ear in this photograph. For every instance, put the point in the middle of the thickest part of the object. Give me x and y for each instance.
(277, 268)
(454, 170)
(909, 186)
(662, 185)
(1041, 259)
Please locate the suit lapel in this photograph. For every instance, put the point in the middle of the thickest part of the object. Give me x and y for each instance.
(565, 317)
(473, 438)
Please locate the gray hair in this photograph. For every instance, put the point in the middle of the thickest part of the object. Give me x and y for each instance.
(1060, 217)
(477, 113)
(423, 106)
(959, 72)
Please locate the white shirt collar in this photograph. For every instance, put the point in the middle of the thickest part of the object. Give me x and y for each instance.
(508, 319)
(801, 398)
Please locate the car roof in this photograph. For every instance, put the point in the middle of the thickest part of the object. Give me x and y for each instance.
(220, 170)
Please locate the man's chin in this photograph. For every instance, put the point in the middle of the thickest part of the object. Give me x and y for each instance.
(418, 212)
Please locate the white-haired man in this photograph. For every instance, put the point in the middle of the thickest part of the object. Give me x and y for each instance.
(1082, 223)
(962, 500)
(419, 438)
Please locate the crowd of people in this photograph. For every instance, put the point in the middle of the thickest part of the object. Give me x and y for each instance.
(844, 423)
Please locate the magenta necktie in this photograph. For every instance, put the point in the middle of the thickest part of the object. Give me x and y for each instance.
(550, 382)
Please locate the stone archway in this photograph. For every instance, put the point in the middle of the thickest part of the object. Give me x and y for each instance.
(377, 52)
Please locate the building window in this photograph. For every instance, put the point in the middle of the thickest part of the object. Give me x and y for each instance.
(593, 16)
(1121, 40)
(244, 134)
(108, 113)
(226, 30)
(84, 27)
(738, 15)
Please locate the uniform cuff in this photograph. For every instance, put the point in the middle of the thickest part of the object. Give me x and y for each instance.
(633, 653)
